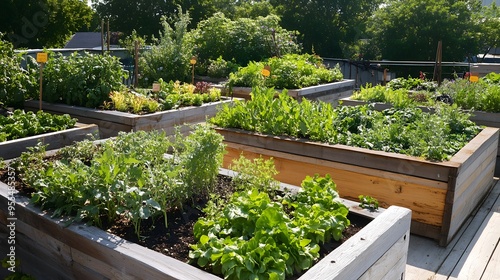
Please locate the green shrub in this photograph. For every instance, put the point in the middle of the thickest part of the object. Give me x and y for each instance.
(16, 82)
(169, 58)
(242, 40)
(81, 79)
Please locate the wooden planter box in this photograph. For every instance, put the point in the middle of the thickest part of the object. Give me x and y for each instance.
(112, 122)
(330, 93)
(14, 148)
(479, 117)
(49, 250)
(441, 195)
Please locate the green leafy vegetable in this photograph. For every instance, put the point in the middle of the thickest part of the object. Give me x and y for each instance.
(408, 130)
(23, 124)
(252, 236)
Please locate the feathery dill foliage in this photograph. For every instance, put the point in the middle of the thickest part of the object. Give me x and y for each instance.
(409, 131)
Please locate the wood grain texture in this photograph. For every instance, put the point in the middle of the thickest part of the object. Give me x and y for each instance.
(426, 202)
(440, 194)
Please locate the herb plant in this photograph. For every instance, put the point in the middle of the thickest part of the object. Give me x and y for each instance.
(408, 131)
(169, 57)
(172, 95)
(127, 177)
(482, 96)
(287, 72)
(252, 236)
(22, 124)
(257, 173)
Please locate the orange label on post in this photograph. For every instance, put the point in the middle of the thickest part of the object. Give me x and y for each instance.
(193, 60)
(474, 77)
(266, 71)
(41, 57)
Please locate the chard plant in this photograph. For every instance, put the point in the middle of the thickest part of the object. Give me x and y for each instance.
(127, 177)
(252, 236)
(436, 137)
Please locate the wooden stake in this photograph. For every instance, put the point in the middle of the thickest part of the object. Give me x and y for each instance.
(41, 85)
(109, 35)
(136, 62)
(102, 37)
(437, 65)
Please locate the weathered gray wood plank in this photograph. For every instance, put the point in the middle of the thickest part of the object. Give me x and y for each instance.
(362, 252)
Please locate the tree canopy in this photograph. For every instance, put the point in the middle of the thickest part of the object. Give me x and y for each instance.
(326, 24)
(43, 23)
(411, 29)
(364, 29)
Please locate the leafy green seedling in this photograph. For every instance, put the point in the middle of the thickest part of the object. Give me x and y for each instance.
(368, 202)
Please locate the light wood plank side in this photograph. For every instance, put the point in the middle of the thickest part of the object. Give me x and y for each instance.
(13, 148)
(384, 161)
(235, 150)
(484, 166)
(426, 203)
(76, 111)
(354, 257)
(470, 199)
(487, 139)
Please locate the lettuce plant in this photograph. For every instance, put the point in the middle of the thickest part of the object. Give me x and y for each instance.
(252, 236)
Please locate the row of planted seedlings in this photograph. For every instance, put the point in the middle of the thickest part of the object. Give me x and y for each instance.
(438, 164)
(248, 230)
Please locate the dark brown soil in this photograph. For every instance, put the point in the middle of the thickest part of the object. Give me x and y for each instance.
(175, 239)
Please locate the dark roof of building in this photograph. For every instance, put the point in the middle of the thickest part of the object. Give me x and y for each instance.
(87, 40)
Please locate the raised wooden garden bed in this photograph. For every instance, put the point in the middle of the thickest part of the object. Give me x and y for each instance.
(330, 93)
(14, 148)
(112, 122)
(479, 117)
(441, 194)
(49, 250)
